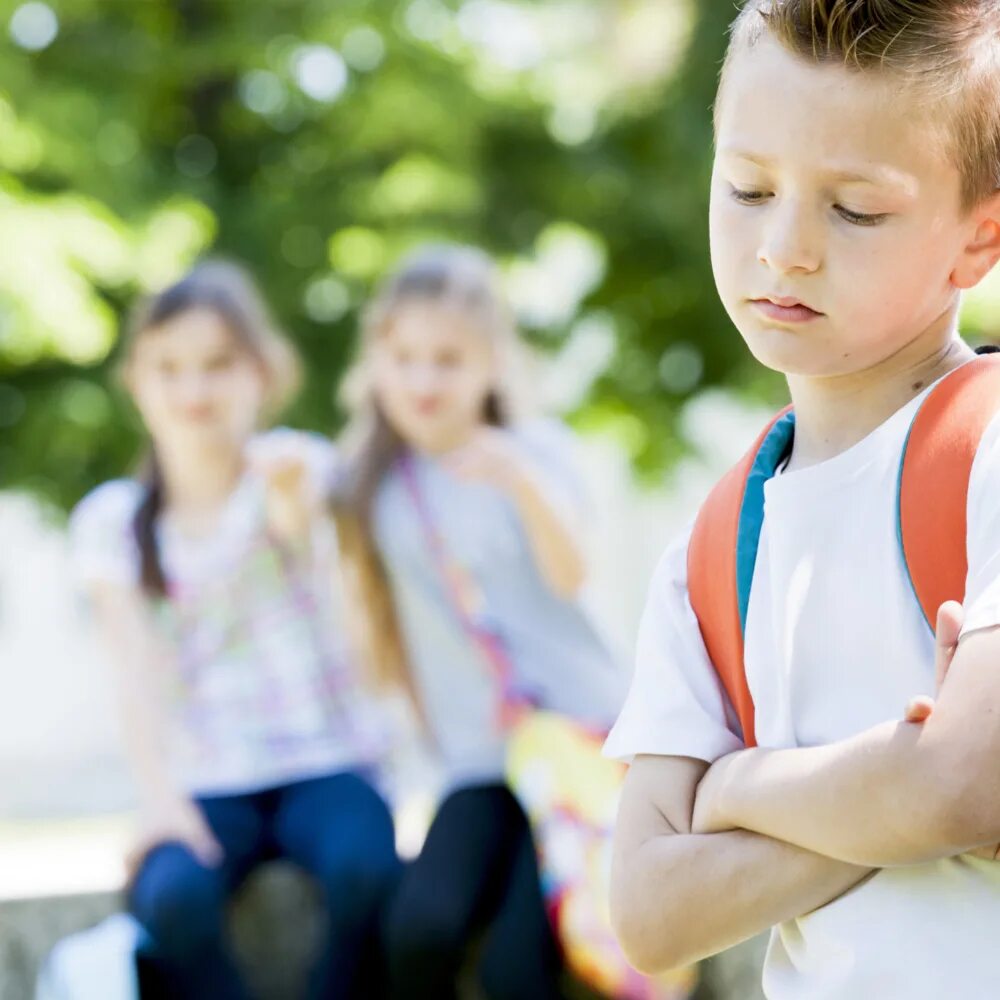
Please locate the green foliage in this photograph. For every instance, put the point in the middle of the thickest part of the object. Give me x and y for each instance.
(316, 141)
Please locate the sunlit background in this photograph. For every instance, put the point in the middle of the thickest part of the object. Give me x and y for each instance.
(316, 141)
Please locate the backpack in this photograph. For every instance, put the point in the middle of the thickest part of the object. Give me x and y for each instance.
(931, 494)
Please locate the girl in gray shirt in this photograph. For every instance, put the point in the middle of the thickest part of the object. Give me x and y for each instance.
(461, 528)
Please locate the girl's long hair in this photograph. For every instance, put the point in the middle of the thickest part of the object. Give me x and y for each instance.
(459, 278)
(225, 289)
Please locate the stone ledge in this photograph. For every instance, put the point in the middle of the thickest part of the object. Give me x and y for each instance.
(276, 925)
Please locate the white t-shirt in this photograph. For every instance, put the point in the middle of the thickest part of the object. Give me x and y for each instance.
(835, 643)
(262, 688)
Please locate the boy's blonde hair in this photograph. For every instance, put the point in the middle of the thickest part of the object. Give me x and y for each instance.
(947, 50)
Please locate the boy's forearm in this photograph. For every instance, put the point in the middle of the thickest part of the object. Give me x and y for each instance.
(882, 798)
(678, 898)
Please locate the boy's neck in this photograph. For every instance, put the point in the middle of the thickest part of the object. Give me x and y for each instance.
(833, 414)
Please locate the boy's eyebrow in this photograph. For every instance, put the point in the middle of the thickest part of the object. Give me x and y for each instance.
(882, 175)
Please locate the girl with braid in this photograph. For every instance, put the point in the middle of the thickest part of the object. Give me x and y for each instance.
(249, 734)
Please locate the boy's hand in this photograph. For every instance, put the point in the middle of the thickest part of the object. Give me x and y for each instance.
(919, 709)
(708, 815)
(950, 618)
(709, 811)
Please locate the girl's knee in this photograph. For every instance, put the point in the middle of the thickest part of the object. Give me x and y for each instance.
(358, 887)
(528, 976)
(179, 901)
(416, 931)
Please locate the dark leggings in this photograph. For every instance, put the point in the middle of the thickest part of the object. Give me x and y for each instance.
(336, 827)
(476, 876)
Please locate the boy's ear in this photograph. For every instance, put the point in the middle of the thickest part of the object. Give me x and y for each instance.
(983, 250)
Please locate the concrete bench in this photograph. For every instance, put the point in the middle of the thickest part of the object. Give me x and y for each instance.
(276, 926)
(56, 879)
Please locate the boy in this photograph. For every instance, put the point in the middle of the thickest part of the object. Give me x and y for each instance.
(854, 196)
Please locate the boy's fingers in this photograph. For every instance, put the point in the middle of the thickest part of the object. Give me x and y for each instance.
(919, 709)
(988, 853)
(950, 618)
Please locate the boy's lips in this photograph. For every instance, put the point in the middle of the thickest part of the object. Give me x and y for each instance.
(785, 309)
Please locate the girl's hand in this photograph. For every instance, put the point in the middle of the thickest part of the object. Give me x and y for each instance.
(289, 501)
(177, 820)
(489, 456)
(492, 456)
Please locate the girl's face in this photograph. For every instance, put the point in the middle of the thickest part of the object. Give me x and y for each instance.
(432, 372)
(194, 384)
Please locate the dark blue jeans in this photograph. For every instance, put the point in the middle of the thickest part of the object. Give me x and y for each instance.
(336, 827)
(476, 879)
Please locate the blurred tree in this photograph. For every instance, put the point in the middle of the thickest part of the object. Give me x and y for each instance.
(317, 141)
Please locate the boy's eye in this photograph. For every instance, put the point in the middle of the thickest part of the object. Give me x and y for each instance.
(747, 197)
(860, 218)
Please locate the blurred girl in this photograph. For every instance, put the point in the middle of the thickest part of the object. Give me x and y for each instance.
(243, 719)
(462, 527)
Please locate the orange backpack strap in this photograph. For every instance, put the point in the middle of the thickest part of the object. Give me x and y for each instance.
(931, 523)
(934, 480)
(721, 557)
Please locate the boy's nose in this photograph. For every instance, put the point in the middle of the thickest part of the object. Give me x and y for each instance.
(790, 243)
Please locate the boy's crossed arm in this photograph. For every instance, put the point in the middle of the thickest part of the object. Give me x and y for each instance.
(684, 888)
(895, 794)
(677, 896)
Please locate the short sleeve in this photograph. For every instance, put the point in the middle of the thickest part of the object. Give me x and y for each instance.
(675, 706)
(319, 455)
(102, 544)
(554, 450)
(982, 592)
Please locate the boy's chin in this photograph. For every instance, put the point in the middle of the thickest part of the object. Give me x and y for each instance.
(795, 354)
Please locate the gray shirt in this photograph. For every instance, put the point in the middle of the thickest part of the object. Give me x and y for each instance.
(558, 656)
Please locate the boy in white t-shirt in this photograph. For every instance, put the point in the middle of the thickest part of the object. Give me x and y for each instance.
(854, 197)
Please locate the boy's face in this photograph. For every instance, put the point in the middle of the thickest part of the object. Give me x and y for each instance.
(836, 220)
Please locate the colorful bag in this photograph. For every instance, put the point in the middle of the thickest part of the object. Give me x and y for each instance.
(569, 791)
(931, 496)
